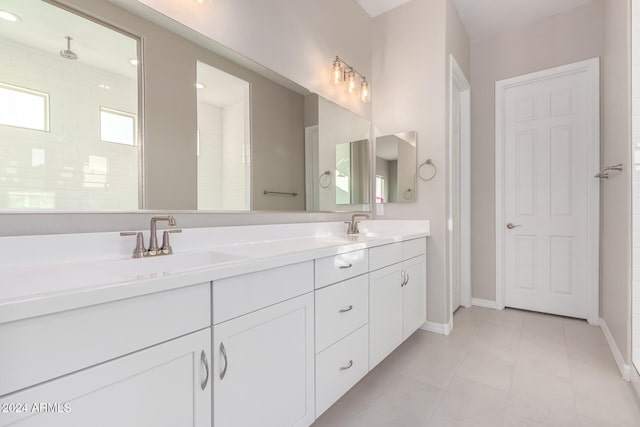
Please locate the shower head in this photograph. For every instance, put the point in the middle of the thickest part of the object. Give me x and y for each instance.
(68, 53)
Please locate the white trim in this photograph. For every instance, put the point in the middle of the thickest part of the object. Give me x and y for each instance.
(478, 302)
(635, 380)
(592, 69)
(458, 80)
(627, 371)
(438, 328)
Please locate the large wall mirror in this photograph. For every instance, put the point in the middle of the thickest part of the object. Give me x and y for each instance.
(396, 168)
(133, 115)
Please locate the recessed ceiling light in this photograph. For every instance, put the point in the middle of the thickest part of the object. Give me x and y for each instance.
(200, 85)
(202, 1)
(8, 16)
(134, 61)
(103, 86)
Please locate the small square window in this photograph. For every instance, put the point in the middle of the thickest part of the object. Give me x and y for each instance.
(117, 126)
(24, 108)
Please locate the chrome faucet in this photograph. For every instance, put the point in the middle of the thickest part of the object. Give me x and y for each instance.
(140, 251)
(352, 228)
(153, 238)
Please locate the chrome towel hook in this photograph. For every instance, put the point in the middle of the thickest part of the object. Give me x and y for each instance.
(604, 173)
(430, 163)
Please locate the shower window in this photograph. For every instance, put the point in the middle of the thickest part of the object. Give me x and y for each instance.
(24, 108)
(117, 126)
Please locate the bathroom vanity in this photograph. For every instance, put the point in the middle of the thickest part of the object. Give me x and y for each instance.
(269, 326)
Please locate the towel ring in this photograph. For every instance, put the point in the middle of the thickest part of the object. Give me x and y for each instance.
(430, 163)
(326, 173)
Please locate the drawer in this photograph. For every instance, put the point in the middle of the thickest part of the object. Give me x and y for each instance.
(46, 347)
(341, 309)
(341, 267)
(340, 367)
(413, 248)
(382, 256)
(243, 294)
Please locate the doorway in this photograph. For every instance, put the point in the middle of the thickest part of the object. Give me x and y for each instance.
(547, 199)
(458, 209)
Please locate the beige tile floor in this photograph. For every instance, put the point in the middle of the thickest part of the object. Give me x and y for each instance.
(497, 368)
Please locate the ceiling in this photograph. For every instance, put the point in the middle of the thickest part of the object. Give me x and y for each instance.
(44, 27)
(482, 18)
(378, 7)
(221, 89)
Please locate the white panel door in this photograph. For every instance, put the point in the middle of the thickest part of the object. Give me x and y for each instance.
(166, 385)
(546, 184)
(263, 367)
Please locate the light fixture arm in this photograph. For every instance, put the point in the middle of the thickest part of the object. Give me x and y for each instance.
(347, 68)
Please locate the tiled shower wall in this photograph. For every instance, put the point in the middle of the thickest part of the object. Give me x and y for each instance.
(635, 84)
(223, 161)
(69, 167)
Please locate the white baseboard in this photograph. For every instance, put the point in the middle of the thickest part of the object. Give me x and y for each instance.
(484, 303)
(635, 380)
(625, 370)
(438, 328)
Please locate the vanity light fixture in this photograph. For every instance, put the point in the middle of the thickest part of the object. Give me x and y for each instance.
(343, 72)
(200, 85)
(8, 16)
(364, 90)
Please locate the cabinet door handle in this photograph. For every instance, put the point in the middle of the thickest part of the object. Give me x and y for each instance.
(406, 280)
(349, 365)
(223, 351)
(342, 267)
(344, 310)
(205, 362)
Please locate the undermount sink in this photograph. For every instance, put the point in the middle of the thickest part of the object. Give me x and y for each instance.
(41, 279)
(174, 263)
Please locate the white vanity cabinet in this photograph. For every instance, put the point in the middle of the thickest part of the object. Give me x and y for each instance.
(342, 337)
(166, 385)
(263, 360)
(397, 295)
(141, 361)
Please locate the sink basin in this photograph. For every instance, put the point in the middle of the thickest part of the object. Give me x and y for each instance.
(175, 263)
(38, 280)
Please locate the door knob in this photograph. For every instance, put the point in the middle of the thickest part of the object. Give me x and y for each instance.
(511, 226)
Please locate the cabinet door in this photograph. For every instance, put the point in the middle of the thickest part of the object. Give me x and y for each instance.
(165, 385)
(263, 367)
(385, 312)
(414, 295)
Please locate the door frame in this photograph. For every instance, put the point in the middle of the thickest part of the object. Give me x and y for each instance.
(592, 69)
(457, 80)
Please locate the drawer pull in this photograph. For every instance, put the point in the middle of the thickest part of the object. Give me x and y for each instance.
(205, 362)
(344, 310)
(226, 362)
(342, 267)
(349, 365)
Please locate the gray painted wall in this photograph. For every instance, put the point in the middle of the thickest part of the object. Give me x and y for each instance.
(558, 40)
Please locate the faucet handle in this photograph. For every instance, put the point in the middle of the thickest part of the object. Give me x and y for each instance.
(139, 250)
(166, 246)
(349, 228)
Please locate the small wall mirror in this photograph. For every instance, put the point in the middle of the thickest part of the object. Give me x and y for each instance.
(396, 168)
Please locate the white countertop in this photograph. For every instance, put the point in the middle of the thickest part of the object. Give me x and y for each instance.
(62, 281)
